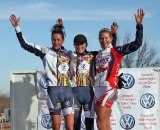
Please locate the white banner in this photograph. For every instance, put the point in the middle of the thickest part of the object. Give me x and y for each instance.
(137, 106)
(44, 120)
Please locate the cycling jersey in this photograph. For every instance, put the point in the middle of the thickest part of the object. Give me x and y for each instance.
(82, 69)
(55, 62)
(107, 66)
(108, 60)
(56, 65)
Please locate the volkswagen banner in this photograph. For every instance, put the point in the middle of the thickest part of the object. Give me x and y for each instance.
(137, 106)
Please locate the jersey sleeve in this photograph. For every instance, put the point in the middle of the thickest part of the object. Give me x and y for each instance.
(114, 41)
(30, 47)
(134, 45)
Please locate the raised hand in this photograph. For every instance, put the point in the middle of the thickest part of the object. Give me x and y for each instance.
(59, 21)
(114, 28)
(14, 20)
(139, 16)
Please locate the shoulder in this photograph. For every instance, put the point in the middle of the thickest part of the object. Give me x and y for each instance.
(65, 52)
(117, 48)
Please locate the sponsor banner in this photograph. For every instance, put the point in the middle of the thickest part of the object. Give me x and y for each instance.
(44, 120)
(44, 103)
(137, 106)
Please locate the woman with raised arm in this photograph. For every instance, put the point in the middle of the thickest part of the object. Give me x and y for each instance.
(56, 60)
(82, 69)
(108, 62)
(82, 76)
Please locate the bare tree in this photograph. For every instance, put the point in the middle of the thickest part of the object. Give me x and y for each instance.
(4, 103)
(146, 56)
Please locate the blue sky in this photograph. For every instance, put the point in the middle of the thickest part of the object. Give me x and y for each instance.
(79, 16)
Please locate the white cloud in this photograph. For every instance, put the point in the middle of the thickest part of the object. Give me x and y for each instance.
(43, 10)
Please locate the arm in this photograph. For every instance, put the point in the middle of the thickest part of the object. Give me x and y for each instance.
(33, 48)
(133, 46)
(114, 30)
(114, 41)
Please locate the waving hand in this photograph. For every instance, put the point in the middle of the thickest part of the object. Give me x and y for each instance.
(139, 16)
(14, 20)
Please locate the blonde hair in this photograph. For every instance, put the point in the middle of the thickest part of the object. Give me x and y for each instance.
(106, 30)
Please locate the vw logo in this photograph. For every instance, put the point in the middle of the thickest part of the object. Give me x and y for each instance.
(43, 82)
(83, 122)
(46, 121)
(147, 100)
(127, 122)
(129, 79)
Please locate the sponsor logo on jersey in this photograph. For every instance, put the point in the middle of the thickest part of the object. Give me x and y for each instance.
(46, 121)
(129, 79)
(64, 58)
(83, 68)
(147, 100)
(103, 60)
(63, 68)
(85, 57)
(127, 122)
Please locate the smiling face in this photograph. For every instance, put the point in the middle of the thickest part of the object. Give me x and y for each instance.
(105, 38)
(57, 40)
(80, 47)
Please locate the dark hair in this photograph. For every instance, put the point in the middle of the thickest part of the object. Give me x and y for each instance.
(58, 28)
(105, 30)
(80, 39)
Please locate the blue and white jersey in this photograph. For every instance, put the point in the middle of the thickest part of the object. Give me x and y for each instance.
(56, 62)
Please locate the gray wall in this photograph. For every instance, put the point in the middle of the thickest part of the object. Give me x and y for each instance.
(24, 103)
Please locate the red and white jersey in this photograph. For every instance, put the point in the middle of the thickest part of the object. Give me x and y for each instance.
(107, 66)
(108, 61)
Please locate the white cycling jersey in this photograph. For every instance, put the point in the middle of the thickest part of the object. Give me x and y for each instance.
(55, 62)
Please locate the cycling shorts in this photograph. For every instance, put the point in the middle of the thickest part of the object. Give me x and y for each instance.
(83, 96)
(61, 99)
(104, 97)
